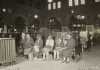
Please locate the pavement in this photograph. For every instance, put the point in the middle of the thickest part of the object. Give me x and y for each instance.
(89, 61)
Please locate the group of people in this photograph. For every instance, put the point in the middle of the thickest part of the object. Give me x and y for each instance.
(53, 47)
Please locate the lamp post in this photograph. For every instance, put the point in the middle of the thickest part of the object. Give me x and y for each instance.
(72, 19)
(36, 22)
(5, 26)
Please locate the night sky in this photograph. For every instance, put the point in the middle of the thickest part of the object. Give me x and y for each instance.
(13, 6)
(13, 3)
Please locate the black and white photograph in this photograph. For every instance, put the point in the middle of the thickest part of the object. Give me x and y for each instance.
(49, 34)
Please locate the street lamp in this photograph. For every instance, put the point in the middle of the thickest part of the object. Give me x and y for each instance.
(82, 17)
(35, 16)
(72, 11)
(4, 10)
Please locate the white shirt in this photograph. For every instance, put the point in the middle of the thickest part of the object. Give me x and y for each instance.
(50, 42)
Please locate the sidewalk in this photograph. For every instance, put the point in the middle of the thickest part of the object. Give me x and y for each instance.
(90, 61)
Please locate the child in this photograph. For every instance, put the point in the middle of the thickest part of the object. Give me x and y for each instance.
(48, 47)
(58, 45)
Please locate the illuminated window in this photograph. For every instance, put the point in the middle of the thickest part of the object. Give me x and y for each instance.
(76, 2)
(54, 5)
(50, 1)
(82, 2)
(49, 6)
(59, 4)
(97, 0)
(70, 3)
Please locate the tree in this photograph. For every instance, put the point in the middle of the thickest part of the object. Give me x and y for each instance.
(20, 23)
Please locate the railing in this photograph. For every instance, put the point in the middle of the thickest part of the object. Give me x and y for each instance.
(7, 50)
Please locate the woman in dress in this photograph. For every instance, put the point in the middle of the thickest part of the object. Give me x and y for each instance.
(69, 45)
(38, 46)
(21, 47)
(28, 46)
